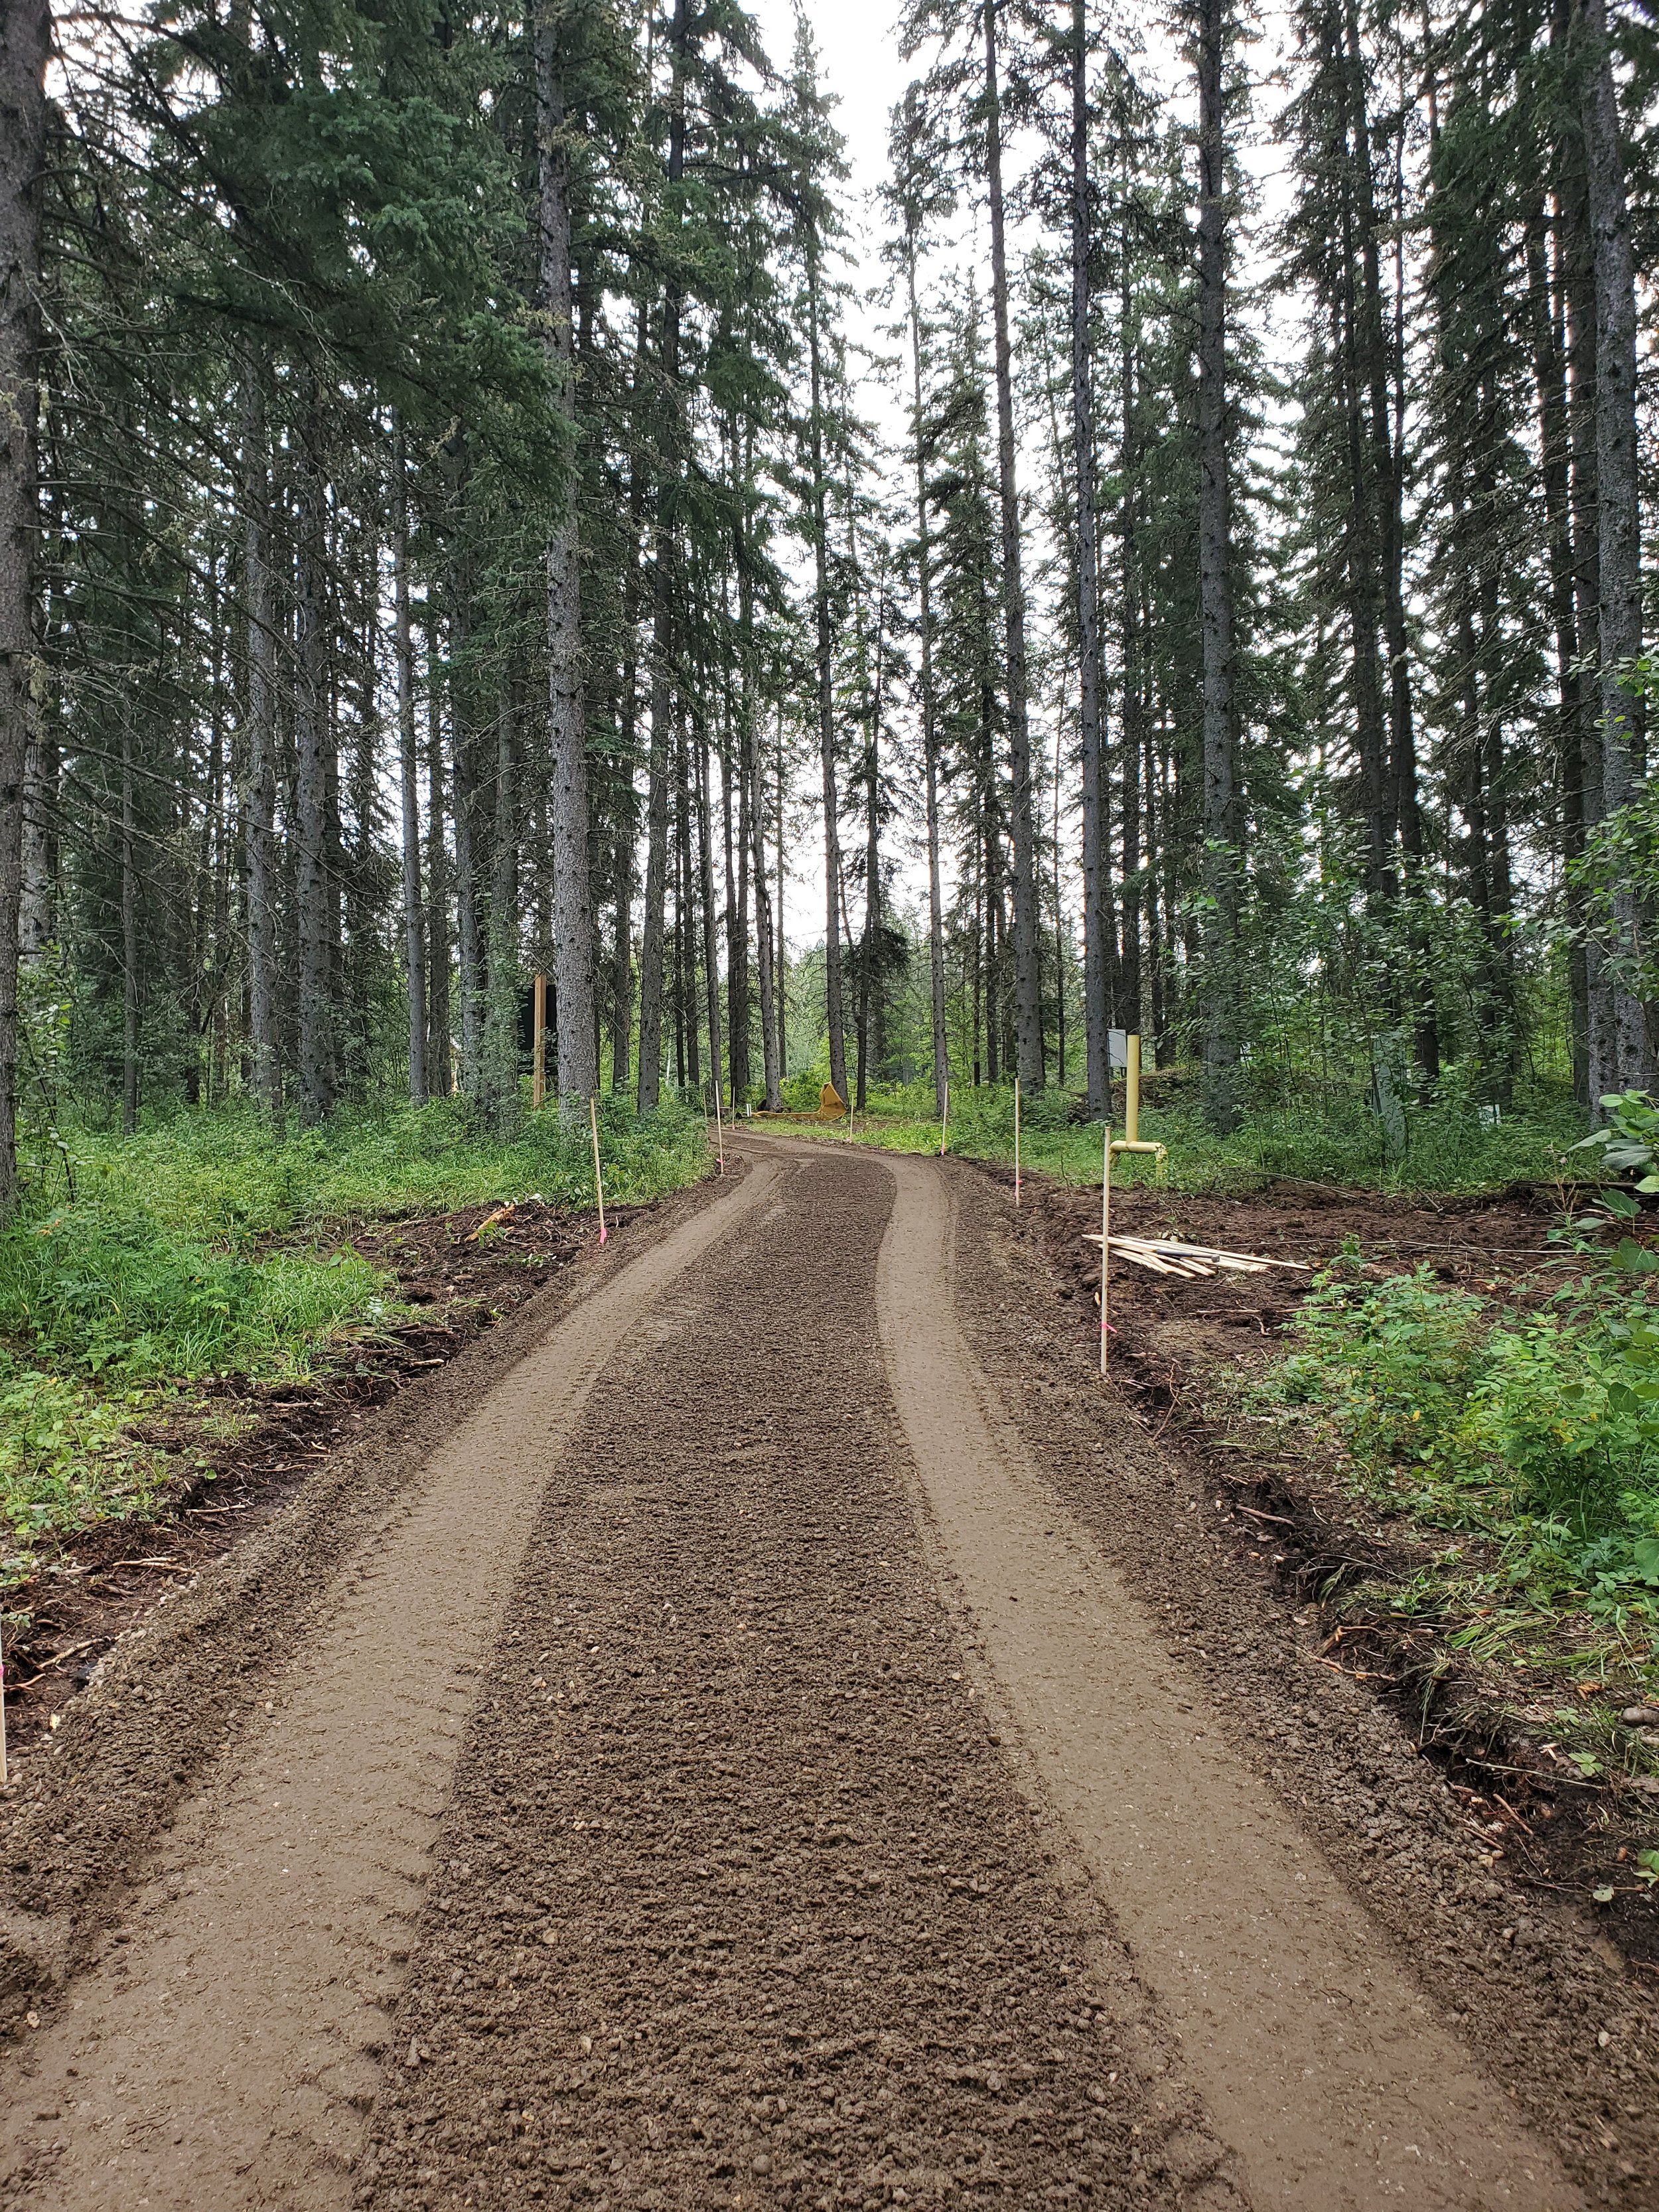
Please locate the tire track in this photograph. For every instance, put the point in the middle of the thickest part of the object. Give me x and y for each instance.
(1323, 2063)
(740, 1902)
(222, 2051)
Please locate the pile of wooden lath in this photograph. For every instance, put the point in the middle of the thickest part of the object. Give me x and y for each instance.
(1163, 1256)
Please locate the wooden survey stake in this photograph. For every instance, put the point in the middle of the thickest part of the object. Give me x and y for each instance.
(598, 1181)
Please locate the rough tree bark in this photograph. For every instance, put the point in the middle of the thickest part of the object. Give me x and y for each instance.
(1631, 1055)
(25, 42)
(573, 907)
(129, 937)
(927, 699)
(833, 1005)
(1549, 381)
(1088, 596)
(656, 856)
(409, 774)
(439, 1068)
(259, 747)
(757, 820)
(706, 885)
(1220, 981)
(1129, 1010)
(1028, 960)
(312, 890)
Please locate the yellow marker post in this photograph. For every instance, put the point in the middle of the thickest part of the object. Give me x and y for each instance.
(1132, 1088)
(538, 1044)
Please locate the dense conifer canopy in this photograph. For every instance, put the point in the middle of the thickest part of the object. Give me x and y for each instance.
(454, 527)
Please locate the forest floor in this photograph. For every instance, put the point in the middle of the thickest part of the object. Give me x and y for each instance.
(762, 1726)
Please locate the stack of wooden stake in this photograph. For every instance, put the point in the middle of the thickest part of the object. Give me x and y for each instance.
(1163, 1256)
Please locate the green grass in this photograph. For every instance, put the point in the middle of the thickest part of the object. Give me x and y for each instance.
(201, 1248)
(1336, 1140)
(1524, 1430)
(217, 1176)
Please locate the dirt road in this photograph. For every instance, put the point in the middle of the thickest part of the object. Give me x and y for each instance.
(738, 1770)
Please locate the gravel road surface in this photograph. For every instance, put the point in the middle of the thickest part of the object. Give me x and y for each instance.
(737, 1770)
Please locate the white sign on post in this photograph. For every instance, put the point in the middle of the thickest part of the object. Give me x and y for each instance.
(1117, 1048)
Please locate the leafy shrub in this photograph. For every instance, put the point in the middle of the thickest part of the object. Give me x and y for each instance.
(65, 1458)
(1394, 1361)
(1628, 1141)
(1541, 1426)
(122, 1296)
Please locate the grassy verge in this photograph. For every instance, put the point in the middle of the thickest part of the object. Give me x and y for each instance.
(201, 1251)
(1516, 1437)
(1449, 1148)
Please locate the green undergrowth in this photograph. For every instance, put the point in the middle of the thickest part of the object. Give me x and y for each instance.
(1334, 1140)
(1518, 1434)
(203, 1249)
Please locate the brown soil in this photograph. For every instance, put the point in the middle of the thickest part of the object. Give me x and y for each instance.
(770, 1731)
(1561, 1834)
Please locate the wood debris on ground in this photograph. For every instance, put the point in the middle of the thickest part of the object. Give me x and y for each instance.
(1164, 1255)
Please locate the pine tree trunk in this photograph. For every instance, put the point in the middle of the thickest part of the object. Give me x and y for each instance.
(737, 929)
(1554, 449)
(1618, 505)
(710, 944)
(1095, 1016)
(685, 862)
(469, 901)
(1578, 257)
(572, 909)
(781, 965)
(25, 42)
(313, 884)
(755, 815)
(439, 1074)
(656, 861)
(499, 1088)
(129, 939)
(834, 1011)
(259, 747)
(1129, 968)
(867, 1016)
(408, 777)
(1028, 956)
(927, 702)
(622, 957)
(1220, 980)
(1384, 504)
(656, 826)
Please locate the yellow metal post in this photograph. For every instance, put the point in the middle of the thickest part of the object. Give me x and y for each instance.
(1132, 1090)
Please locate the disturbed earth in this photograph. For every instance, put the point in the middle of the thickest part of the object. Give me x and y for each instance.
(767, 1729)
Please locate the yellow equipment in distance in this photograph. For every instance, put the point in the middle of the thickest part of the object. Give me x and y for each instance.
(831, 1105)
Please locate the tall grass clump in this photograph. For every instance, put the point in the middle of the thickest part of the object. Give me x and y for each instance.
(203, 1248)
